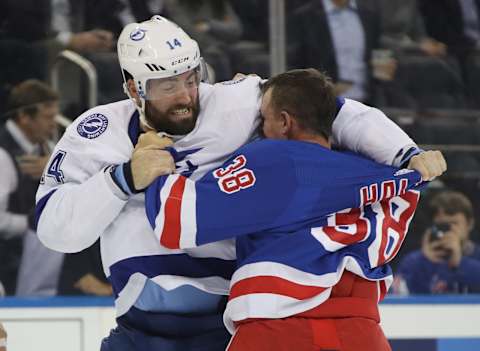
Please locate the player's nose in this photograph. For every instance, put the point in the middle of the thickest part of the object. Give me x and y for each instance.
(183, 96)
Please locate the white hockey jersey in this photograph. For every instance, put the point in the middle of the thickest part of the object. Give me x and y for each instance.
(77, 202)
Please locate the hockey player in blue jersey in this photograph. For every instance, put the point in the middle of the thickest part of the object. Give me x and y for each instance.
(93, 185)
(309, 222)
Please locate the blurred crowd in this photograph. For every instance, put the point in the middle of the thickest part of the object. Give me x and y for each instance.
(419, 58)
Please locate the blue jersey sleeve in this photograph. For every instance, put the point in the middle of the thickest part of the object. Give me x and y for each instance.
(267, 186)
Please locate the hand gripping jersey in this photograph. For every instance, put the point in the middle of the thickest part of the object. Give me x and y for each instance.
(77, 203)
(302, 214)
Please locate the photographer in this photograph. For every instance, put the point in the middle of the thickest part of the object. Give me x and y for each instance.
(448, 262)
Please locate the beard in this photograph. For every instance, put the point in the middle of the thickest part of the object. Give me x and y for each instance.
(166, 121)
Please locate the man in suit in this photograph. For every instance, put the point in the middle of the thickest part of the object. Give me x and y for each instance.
(338, 36)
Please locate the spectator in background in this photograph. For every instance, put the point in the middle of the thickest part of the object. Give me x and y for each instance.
(34, 32)
(24, 152)
(422, 60)
(339, 36)
(82, 274)
(457, 24)
(213, 24)
(448, 262)
(462, 34)
(403, 29)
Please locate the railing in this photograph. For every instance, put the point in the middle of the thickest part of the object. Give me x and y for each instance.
(85, 65)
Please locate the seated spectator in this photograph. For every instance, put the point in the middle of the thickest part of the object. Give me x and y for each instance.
(448, 261)
(420, 59)
(339, 36)
(82, 274)
(457, 24)
(403, 29)
(462, 34)
(24, 153)
(213, 24)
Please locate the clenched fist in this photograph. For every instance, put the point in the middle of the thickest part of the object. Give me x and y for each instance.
(152, 138)
(430, 164)
(148, 163)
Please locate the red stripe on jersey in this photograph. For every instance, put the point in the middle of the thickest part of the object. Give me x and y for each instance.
(273, 285)
(173, 205)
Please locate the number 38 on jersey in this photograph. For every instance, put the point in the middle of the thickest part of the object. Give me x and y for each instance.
(235, 176)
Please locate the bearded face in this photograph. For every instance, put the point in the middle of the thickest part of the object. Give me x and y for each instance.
(179, 119)
(172, 105)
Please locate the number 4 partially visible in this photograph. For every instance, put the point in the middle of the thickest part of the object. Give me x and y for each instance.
(53, 170)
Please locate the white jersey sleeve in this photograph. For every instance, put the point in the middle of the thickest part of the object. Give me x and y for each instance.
(77, 200)
(368, 131)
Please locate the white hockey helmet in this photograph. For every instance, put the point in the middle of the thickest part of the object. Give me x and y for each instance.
(157, 48)
(153, 49)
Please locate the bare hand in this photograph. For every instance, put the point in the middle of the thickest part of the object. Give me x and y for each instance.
(433, 48)
(92, 41)
(152, 138)
(430, 164)
(202, 27)
(451, 242)
(239, 76)
(149, 163)
(433, 250)
(89, 284)
(33, 166)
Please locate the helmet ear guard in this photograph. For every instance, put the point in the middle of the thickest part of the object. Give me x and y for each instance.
(205, 75)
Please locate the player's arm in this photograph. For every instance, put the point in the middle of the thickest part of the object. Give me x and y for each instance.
(77, 199)
(84, 187)
(369, 132)
(250, 194)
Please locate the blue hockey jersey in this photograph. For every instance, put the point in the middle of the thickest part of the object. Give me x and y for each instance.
(302, 214)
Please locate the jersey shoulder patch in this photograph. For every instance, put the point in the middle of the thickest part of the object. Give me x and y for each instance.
(92, 126)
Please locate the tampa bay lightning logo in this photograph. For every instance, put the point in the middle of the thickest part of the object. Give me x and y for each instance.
(93, 126)
(137, 34)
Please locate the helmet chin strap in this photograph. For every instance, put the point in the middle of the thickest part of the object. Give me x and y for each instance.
(140, 109)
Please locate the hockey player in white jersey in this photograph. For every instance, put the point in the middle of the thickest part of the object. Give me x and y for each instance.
(169, 299)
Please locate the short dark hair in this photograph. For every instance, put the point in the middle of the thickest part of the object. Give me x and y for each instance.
(26, 96)
(451, 202)
(308, 95)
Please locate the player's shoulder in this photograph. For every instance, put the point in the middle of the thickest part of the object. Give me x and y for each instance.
(102, 122)
(353, 107)
(240, 92)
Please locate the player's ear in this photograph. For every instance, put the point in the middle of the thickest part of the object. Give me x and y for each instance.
(132, 89)
(287, 122)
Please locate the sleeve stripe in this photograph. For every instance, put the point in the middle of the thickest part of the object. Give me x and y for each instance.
(173, 205)
(163, 195)
(189, 216)
(41, 206)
